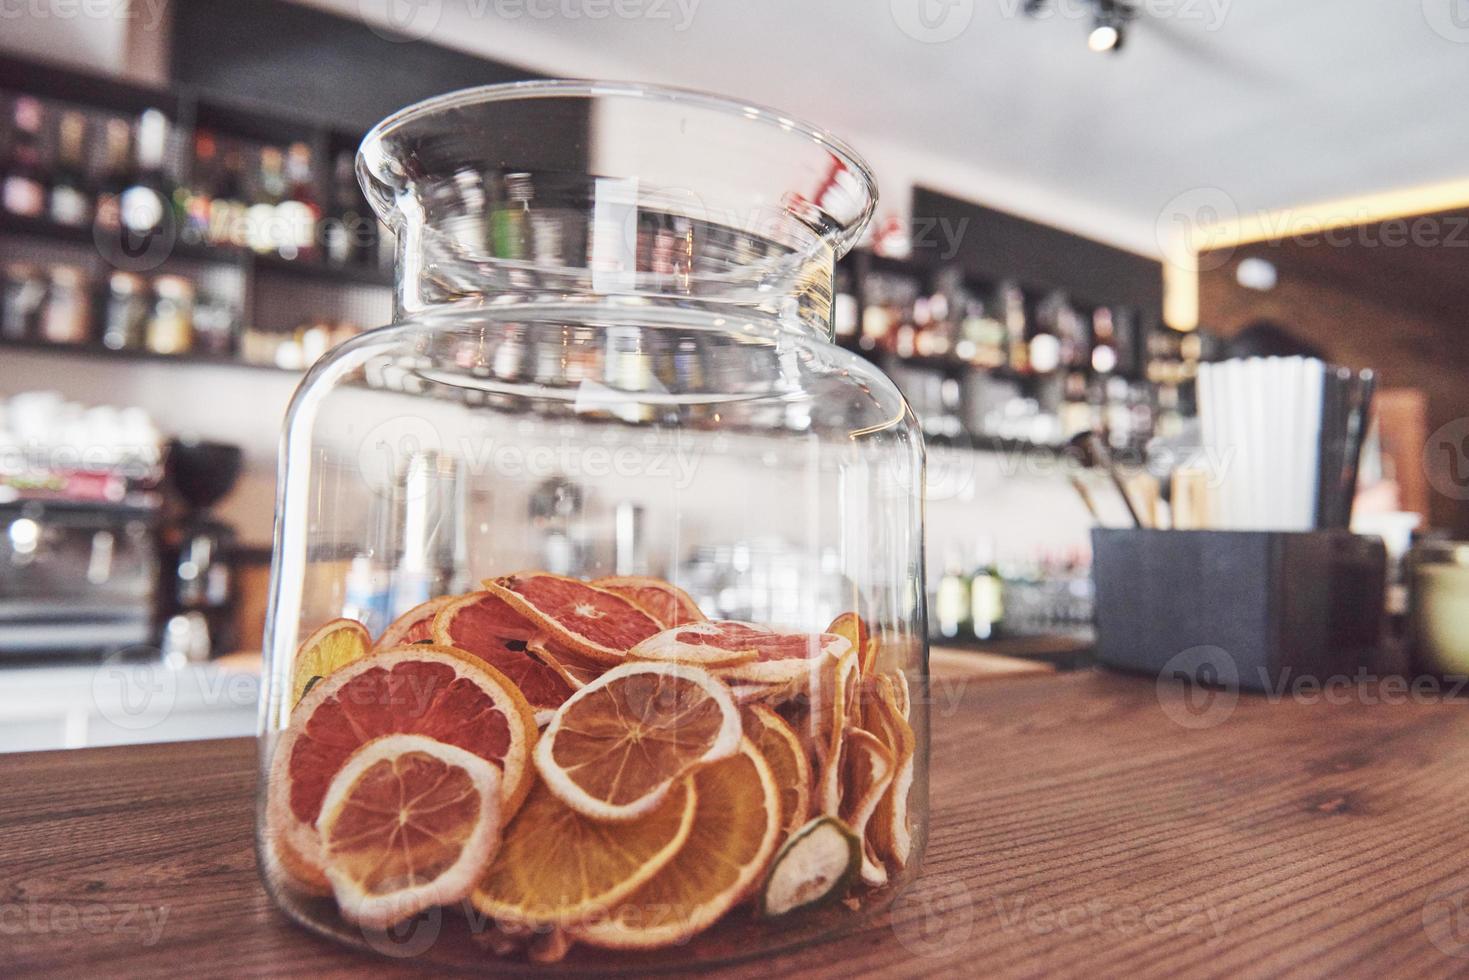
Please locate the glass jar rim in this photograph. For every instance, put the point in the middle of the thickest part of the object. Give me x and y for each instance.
(373, 143)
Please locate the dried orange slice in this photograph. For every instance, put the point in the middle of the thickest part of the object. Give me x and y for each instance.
(556, 866)
(414, 626)
(483, 624)
(416, 690)
(721, 644)
(667, 603)
(407, 824)
(736, 827)
(834, 692)
(889, 832)
(330, 648)
(754, 693)
(867, 770)
(852, 626)
(593, 622)
(616, 748)
(786, 756)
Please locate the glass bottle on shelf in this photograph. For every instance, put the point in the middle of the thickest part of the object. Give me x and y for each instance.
(262, 232)
(22, 176)
(125, 312)
(1017, 341)
(67, 316)
(344, 237)
(229, 222)
(71, 197)
(986, 593)
(171, 325)
(23, 300)
(298, 215)
(951, 604)
(196, 200)
(776, 433)
(117, 137)
(146, 204)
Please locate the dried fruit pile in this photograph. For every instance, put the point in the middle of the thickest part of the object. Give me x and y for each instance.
(589, 762)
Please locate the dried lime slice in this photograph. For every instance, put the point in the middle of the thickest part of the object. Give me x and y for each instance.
(817, 864)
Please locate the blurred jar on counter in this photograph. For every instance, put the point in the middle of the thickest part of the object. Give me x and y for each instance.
(171, 329)
(68, 307)
(1439, 610)
(22, 295)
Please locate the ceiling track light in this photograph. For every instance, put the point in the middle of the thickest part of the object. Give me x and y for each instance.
(1109, 19)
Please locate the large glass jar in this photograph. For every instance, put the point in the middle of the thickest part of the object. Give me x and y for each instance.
(597, 629)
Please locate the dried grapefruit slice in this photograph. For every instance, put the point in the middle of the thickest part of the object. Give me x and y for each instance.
(556, 866)
(408, 823)
(889, 832)
(701, 644)
(781, 656)
(414, 626)
(786, 756)
(593, 622)
(616, 748)
(667, 603)
(420, 690)
(330, 648)
(867, 770)
(833, 695)
(483, 624)
(576, 671)
(736, 827)
(852, 626)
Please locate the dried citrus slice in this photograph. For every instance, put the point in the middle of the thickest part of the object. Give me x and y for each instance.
(817, 864)
(420, 690)
(330, 648)
(576, 671)
(414, 626)
(852, 626)
(587, 620)
(722, 644)
(834, 692)
(754, 693)
(889, 832)
(736, 826)
(556, 866)
(616, 748)
(781, 656)
(483, 624)
(669, 604)
(786, 756)
(407, 824)
(867, 770)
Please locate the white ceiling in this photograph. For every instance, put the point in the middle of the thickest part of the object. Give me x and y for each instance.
(1245, 104)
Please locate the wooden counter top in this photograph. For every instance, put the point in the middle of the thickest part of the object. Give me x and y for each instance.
(1078, 829)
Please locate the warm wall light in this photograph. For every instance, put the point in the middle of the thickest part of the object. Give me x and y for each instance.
(1181, 269)
(1104, 37)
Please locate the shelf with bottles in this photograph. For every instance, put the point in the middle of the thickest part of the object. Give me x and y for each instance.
(175, 174)
(980, 597)
(1002, 362)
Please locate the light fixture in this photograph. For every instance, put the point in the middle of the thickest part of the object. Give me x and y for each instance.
(1104, 37)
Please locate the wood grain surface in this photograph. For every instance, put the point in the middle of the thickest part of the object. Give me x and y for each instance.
(1078, 829)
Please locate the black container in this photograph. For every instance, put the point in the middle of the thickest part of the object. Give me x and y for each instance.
(1281, 606)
